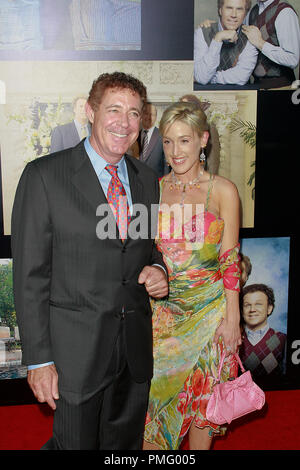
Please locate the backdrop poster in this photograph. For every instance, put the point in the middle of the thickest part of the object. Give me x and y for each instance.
(46, 100)
(96, 30)
(224, 61)
(41, 25)
(265, 310)
(29, 117)
(10, 346)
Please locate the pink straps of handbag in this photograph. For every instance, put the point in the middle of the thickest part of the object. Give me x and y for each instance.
(234, 398)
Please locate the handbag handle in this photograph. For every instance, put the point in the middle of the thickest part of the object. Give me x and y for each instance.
(222, 362)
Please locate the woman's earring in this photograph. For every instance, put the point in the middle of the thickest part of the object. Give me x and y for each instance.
(202, 159)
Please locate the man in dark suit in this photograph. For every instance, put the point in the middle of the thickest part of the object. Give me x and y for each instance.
(150, 142)
(70, 134)
(82, 294)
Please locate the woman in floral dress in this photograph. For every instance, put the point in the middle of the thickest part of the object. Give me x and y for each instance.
(198, 237)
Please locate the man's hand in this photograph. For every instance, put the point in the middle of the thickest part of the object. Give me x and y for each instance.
(229, 35)
(43, 381)
(254, 36)
(206, 23)
(155, 281)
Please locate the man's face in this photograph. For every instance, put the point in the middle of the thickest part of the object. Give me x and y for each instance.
(115, 124)
(256, 310)
(148, 116)
(232, 14)
(79, 111)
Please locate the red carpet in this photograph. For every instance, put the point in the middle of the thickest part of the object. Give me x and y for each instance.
(276, 427)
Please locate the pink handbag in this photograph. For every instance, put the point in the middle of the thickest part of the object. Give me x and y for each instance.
(234, 398)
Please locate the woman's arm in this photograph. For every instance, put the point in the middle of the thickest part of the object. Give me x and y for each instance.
(229, 205)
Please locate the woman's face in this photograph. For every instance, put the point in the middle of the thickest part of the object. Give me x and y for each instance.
(182, 146)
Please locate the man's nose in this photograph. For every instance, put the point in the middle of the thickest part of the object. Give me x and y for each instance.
(124, 120)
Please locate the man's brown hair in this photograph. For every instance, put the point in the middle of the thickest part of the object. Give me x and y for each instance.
(118, 80)
(248, 4)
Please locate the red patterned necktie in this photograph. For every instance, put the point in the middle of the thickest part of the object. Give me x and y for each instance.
(117, 199)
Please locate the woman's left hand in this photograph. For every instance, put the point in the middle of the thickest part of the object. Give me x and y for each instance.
(231, 335)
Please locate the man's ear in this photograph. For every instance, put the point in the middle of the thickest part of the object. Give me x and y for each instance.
(270, 309)
(89, 112)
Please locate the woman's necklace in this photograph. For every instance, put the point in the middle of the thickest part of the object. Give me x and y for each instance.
(177, 184)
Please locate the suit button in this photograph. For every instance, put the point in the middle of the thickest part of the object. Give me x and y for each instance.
(124, 282)
(123, 249)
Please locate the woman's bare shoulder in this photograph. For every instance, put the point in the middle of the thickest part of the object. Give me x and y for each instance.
(224, 186)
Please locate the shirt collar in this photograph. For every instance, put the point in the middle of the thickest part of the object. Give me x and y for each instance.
(149, 130)
(257, 333)
(99, 163)
(263, 5)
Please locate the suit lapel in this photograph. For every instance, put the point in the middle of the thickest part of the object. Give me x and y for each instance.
(86, 181)
(85, 178)
(136, 187)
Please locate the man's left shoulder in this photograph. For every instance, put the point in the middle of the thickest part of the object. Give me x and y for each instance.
(285, 5)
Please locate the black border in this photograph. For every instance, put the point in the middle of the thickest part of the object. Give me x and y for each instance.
(277, 150)
(276, 188)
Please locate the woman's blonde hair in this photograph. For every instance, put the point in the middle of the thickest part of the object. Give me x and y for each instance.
(189, 113)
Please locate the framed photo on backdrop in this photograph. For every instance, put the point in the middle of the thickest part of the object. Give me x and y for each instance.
(267, 315)
(233, 44)
(69, 25)
(87, 30)
(10, 346)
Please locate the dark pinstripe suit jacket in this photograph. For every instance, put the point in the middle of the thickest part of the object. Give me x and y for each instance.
(70, 286)
(155, 157)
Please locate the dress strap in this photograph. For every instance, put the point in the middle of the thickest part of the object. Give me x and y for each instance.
(210, 185)
(161, 185)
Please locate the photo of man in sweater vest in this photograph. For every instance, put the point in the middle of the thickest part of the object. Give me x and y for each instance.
(263, 349)
(222, 52)
(274, 29)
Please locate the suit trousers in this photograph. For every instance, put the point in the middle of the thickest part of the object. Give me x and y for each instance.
(112, 418)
